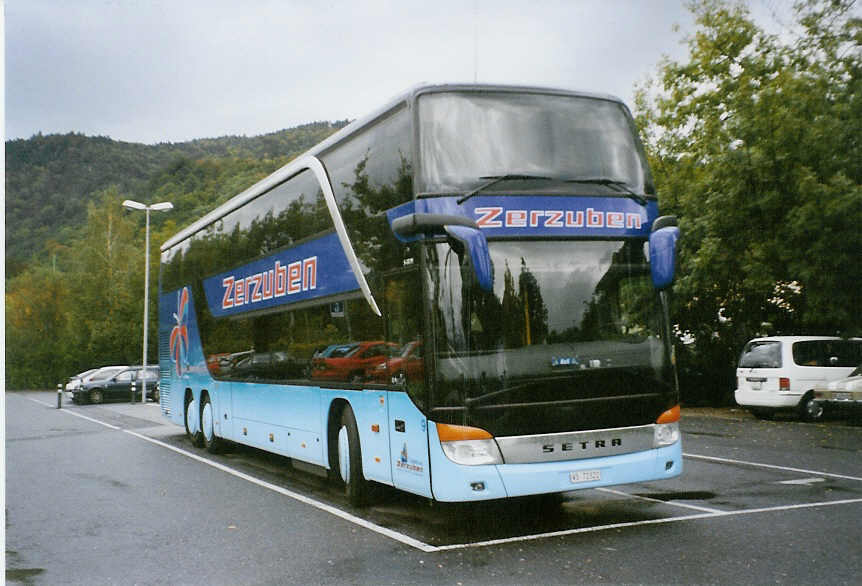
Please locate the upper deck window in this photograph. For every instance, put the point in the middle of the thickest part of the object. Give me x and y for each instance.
(468, 135)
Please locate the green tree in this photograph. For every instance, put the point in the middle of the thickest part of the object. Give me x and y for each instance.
(36, 324)
(754, 143)
(108, 272)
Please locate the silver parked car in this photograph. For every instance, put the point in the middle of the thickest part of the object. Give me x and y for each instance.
(844, 393)
(75, 381)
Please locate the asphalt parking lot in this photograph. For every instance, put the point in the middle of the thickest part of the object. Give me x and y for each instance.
(776, 501)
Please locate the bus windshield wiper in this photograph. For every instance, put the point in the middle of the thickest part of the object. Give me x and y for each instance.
(494, 179)
(618, 183)
(472, 400)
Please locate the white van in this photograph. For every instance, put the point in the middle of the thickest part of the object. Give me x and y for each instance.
(781, 372)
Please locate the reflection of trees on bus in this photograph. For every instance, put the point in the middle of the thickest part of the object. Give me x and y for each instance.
(518, 319)
(621, 306)
(364, 215)
(281, 344)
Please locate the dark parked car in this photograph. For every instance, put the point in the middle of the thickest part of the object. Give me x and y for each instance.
(114, 383)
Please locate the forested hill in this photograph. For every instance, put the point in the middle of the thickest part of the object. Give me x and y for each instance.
(51, 178)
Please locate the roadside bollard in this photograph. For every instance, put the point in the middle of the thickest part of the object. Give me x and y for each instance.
(132, 388)
(59, 396)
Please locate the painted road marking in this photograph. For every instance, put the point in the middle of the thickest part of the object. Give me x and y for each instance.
(415, 543)
(652, 500)
(770, 466)
(802, 481)
(647, 522)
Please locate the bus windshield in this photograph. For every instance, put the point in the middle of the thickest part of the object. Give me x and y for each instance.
(465, 136)
(567, 322)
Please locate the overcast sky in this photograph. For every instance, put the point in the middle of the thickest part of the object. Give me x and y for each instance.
(173, 70)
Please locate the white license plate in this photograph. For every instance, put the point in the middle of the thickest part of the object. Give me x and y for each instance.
(755, 386)
(842, 396)
(585, 476)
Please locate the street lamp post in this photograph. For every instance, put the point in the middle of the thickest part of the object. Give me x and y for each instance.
(159, 207)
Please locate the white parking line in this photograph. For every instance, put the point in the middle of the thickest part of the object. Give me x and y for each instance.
(415, 543)
(771, 467)
(102, 423)
(652, 500)
(647, 522)
(802, 481)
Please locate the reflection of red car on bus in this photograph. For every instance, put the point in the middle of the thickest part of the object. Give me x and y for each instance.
(406, 366)
(354, 365)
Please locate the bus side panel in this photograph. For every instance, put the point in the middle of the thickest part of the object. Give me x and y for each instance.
(370, 409)
(284, 419)
(408, 445)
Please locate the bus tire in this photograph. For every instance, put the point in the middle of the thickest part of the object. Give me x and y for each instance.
(350, 460)
(212, 443)
(193, 423)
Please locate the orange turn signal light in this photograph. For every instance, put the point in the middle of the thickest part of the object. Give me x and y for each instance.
(670, 416)
(451, 433)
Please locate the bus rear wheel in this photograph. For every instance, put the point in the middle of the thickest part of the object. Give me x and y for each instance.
(350, 460)
(212, 443)
(193, 423)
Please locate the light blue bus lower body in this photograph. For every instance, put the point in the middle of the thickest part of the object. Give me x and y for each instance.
(399, 446)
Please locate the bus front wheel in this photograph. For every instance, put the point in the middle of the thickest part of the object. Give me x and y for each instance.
(350, 460)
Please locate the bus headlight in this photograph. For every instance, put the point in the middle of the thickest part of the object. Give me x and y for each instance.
(469, 446)
(667, 428)
(665, 434)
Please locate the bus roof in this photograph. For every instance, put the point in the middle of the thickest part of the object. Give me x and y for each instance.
(293, 167)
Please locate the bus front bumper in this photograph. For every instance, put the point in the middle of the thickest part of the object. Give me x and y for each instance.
(457, 483)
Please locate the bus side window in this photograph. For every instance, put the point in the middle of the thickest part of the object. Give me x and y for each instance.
(403, 313)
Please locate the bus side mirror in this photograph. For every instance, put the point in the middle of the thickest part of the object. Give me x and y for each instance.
(662, 251)
(465, 236)
(477, 258)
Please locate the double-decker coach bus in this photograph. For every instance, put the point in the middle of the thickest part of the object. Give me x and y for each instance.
(462, 295)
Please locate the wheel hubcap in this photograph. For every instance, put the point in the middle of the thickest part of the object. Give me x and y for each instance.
(208, 421)
(191, 420)
(344, 454)
(814, 409)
